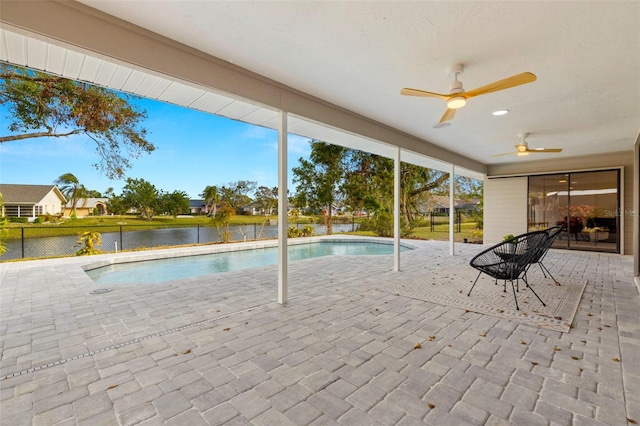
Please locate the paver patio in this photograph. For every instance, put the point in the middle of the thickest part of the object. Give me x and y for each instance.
(219, 350)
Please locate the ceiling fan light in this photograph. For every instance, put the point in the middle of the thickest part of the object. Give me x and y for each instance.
(522, 153)
(457, 102)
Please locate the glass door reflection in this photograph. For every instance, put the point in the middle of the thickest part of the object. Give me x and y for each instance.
(585, 204)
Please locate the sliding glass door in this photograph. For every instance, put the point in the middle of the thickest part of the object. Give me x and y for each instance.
(585, 204)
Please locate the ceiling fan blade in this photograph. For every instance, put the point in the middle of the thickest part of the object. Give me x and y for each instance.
(504, 153)
(514, 80)
(416, 92)
(544, 150)
(448, 115)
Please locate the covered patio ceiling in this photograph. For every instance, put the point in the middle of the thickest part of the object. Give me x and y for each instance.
(358, 55)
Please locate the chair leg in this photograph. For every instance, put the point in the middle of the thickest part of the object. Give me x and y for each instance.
(474, 284)
(514, 295)
(534, 292)
(544, 268)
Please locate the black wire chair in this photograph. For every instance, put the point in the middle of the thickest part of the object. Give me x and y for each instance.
(552, 234)
(509, 261)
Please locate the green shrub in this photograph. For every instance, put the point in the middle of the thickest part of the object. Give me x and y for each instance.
(88, 241)
(421, 222)
(38, 220)
(294, 232)
(382, 225)
(308, 231)
(478, 218)
(18, 219)
(476, 235)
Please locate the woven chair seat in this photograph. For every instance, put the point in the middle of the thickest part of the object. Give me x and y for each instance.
(510, 260)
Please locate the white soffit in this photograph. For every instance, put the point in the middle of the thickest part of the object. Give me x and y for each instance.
(24, 50)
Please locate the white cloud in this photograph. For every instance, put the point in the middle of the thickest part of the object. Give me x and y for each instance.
(72, 147)
(298, 145)
(257, 132)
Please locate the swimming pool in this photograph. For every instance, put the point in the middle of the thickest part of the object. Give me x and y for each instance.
(176, 268)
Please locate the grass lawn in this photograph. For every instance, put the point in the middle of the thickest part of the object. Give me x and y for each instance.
(441, 233)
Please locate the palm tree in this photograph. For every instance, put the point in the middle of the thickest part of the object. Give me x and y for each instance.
(71, 188)
(211, 196)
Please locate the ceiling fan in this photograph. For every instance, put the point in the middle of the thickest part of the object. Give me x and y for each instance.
(458, 97)
(523, 148)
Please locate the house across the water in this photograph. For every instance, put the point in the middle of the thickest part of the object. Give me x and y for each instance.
(31, 201)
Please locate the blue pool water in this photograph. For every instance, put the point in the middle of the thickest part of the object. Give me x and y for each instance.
(162, 270)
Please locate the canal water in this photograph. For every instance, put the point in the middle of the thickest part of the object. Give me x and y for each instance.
(147, 238)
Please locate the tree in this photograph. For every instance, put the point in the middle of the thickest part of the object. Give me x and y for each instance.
(45, 105)
(142, 196)
(72, 190)
(369, 185)
(221, 220)
(417, 184)
(319, 178)
(236, 194)
(267, 198)
(115, 204)
(174, 203)
(211, 196)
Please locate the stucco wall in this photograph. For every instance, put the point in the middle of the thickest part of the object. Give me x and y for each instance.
(505, 208)
(51, 203)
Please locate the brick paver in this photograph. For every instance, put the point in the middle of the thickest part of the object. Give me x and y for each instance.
(217, 350)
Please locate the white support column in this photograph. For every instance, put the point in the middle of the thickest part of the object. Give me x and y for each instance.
(283, 202)
(396, 211)
(452, 213)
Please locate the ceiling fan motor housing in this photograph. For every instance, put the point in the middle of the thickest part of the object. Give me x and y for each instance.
(456, 87)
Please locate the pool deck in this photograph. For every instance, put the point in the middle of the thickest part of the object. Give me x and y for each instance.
(219, 350)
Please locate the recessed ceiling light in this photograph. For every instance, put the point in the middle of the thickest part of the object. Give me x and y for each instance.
(500, 112)
(441, 125)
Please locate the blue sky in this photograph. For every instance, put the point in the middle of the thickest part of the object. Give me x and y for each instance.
(193, 150)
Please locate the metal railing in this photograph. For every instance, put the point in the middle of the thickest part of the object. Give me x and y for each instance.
(439, 222)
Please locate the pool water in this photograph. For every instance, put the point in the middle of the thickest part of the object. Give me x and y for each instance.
(170, 269)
